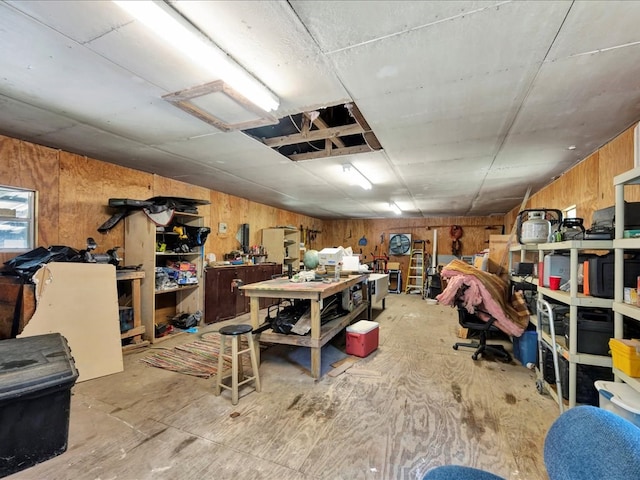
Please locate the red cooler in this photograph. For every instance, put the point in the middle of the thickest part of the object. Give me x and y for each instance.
(362, 338)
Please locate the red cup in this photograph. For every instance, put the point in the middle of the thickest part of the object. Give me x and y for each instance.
(554, 282)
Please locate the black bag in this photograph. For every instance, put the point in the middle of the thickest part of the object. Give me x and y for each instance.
(27, 264)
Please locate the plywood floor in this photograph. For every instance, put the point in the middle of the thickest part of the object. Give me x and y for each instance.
(413, 404)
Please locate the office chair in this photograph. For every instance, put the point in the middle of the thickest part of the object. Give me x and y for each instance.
(475, 324)
(584, 443)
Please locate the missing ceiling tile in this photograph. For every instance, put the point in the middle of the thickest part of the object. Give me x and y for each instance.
(217, 104)
(328, 132)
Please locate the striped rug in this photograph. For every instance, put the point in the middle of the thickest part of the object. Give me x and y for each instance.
(199, 358)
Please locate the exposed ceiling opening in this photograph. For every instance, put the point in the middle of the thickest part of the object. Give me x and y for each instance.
(327, 132)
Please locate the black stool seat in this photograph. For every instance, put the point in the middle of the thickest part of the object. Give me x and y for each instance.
(239, 329)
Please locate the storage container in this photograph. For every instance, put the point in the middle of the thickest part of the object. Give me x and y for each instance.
(620, 399)
(595, 328)
(525, 347)
(586, 376)
(362, 338)
(36, 376)
(626, 355)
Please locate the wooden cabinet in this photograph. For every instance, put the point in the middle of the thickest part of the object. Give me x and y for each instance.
(143, 246)
(283, 246)
(223, 297)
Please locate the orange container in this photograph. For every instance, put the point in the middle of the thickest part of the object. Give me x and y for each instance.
(625, 355)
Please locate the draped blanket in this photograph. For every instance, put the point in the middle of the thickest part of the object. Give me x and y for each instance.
(485, 295)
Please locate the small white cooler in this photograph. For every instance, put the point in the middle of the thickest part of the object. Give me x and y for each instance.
(620, 399)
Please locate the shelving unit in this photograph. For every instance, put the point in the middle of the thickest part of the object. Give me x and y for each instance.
(158, 306)
(524, 253)
(574, 299)
(283, 246)
(620, 245)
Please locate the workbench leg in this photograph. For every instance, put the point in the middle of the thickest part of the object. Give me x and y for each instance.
(254, 309)
(316, 352)
(316, 355)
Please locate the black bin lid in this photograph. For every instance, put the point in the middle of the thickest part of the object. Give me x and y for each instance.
(32, 364)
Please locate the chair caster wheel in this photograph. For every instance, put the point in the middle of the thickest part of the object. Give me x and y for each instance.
(455, 347)
(474, 356)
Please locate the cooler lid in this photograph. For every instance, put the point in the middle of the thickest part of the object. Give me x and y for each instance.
(31, 364)
(620, 394)
(363, 326)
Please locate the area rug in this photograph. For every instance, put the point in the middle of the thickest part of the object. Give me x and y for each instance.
(199, 358)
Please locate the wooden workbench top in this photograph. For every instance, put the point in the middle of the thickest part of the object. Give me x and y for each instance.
(285, 288)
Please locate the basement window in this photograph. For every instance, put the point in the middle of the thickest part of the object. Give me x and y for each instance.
(327, 132)
(17, 219)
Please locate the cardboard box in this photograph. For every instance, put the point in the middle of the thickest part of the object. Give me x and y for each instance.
(330, 256)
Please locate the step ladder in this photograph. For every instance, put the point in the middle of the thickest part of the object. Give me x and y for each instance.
(416, 273)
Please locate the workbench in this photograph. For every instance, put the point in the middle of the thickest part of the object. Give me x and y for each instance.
(315, 292)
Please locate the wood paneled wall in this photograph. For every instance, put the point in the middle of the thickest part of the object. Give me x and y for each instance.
(347, 233)
(73, 193)
(588, 185)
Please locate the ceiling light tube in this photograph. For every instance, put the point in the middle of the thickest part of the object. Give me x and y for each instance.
(165, 22)
(355, 177)
(395, 208)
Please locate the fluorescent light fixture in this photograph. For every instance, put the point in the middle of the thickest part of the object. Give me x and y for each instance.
(165, 22)
(395, 208)
(355, 177)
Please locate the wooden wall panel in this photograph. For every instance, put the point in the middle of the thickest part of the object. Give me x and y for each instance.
(616, 157)
(234, 211)
(589, 185)
(34, 167)
(347, 233)
(86, 185)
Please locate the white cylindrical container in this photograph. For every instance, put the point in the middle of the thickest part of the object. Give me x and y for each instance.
(536, 229)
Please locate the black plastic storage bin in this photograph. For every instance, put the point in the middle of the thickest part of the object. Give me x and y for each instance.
(586, 375)
(595, 328)
(36, 376)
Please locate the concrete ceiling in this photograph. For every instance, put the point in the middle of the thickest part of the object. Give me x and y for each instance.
(473, 102)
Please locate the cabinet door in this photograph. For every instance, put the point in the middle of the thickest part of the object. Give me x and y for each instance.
(249, 275)
(222, 296)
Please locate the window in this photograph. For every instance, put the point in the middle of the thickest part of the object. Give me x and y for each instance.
(17, 219)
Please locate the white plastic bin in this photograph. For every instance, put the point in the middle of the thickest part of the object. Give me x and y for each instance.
(620, 399)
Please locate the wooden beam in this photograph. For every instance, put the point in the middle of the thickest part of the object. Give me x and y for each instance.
(369, 136)
(314, 135)
(321, 124)
(336, 152)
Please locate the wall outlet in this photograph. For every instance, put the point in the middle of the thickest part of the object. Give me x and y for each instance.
(222, 227)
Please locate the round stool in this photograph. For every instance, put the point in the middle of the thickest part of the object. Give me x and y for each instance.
(237, 373)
